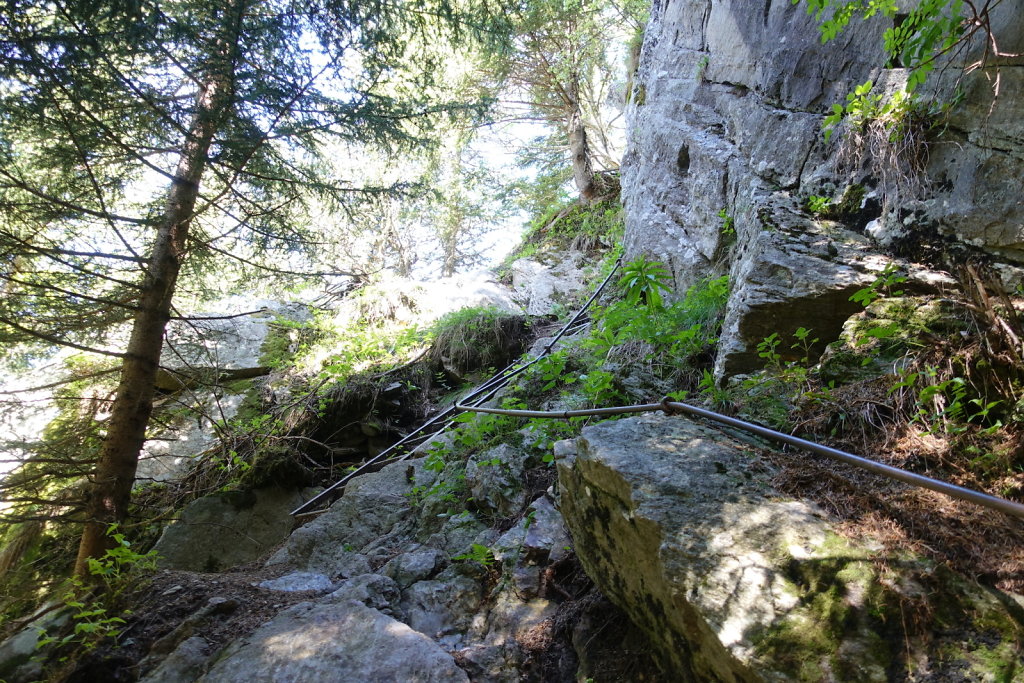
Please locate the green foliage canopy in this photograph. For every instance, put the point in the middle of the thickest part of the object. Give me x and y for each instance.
(931, 29)
(141, 142)
(96, 101)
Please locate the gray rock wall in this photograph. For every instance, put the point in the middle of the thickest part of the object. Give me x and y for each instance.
(727, 114)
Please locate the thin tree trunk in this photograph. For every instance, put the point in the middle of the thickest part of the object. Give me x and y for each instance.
(451, 233)
(110, 492)
(579, 148)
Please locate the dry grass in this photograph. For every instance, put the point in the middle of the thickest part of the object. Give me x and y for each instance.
(865, 419)
(880, 420)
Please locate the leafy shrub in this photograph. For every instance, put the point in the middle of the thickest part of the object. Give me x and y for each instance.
(644, 281)
(638, 336)
(96, 617)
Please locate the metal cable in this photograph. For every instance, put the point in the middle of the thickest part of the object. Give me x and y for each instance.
(671, 407)
(483, 392)
(472, 400)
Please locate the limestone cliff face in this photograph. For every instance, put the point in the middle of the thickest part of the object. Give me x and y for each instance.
(726, 120)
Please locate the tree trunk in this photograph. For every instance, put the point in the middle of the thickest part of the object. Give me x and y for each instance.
(579, 149)
(451, 233)
(111, 487)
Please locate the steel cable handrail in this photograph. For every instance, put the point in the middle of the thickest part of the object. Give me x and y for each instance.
(484, 392)
(478, 395)
(671, 407)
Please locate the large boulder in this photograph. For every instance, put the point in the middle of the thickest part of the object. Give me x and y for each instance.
(203, 366)
(544, 286)
(678, 525)
(334, 642)
(227, 529)
(374, 506)
(231, 335)
(19, 654)
(791, 273)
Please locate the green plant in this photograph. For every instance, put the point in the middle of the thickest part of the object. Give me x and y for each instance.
(644, 281)
(904, 380)
(284, 339)
(932, 28)
(689, 341)
(434, 462)
(120, 563)
(803, 344)
(941, 404)
(984, 408)
(880, 332)
(767, 398)
(478, 431)
(94, 615)
(819, 206)
(715, 396)
(766, 349)
(478, 553)
(705, 301)
(702, 67)
(864, 107)
(728, 228)
(894, 127)
(665, 338)
(552, 369)
(881, 286)
(528, 520)
(446, 489)
(770, 396)
(543, 434)
(599, 388)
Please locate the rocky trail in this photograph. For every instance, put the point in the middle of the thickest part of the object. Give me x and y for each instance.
(651, 544)
(775, 273)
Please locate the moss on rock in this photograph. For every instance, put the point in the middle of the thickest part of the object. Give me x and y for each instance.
(680, 527)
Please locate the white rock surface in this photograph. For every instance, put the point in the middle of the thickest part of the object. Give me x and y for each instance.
(311, 643)
(215, 339)
(217, 342)
(543, 288)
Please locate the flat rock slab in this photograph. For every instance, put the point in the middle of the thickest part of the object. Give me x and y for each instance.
(224, 530)
(310, 643)
(297, 582)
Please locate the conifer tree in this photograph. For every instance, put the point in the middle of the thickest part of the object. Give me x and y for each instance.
(138, 138)
(564, 69)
